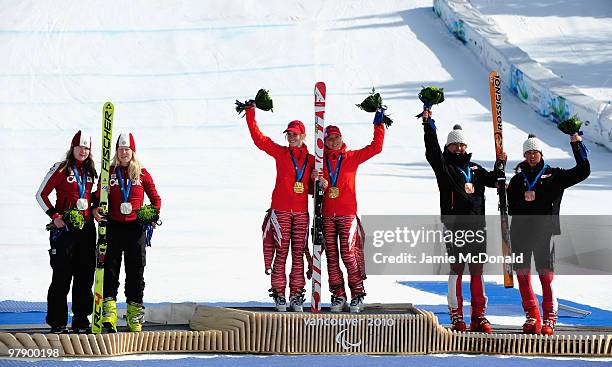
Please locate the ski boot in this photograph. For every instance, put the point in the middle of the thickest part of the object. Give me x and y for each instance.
(135, 316)
(109, 315)
(80, 330)
(548, 327)
(533, 324)
(296, 301)
(480, 324)
(338, 303)
(58, 330)
(279, 300)
(457, 323)
(357, 303)
(80, 325)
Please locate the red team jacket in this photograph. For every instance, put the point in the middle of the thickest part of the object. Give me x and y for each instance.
(283, 196)
(346, 203)
(66, 190)
(115, 197)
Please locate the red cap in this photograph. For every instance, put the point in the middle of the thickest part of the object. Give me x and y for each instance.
(296, 126)
(80, 139)
(126, 140)
(330, 130)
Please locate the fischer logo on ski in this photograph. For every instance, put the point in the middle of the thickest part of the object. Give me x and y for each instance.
(107, 136)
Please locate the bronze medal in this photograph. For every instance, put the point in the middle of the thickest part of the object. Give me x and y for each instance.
(529, 195)
(298, 188)
(469, 187)
(333, 192)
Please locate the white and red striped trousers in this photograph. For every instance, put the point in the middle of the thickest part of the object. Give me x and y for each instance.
(348, 229)
(282, 229)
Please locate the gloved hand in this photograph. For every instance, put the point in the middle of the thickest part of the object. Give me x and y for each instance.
(378, 116)
(426, 107)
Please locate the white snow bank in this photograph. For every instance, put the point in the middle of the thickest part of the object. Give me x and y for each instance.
(540, 88)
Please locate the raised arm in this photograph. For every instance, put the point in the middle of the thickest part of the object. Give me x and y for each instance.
(582, 170)
(261, 141)
(374, 147)
(433, 153)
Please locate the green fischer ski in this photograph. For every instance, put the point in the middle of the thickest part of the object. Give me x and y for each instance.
(107, 136)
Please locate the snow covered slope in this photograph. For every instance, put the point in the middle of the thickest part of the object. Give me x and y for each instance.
(173, 73)
(572, 38)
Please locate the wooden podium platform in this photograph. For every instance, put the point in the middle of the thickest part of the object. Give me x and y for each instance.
(381, 329)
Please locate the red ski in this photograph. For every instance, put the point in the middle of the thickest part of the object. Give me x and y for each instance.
(317, 225)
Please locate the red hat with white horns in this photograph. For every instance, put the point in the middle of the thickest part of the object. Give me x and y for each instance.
(81, 139)
(126, 140)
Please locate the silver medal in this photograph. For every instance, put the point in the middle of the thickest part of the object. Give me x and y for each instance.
(126, 208)
(82, 204)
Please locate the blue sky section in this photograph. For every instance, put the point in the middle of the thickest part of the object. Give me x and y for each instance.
(507, 302)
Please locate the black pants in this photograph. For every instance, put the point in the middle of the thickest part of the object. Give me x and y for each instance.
(127, 239)
(531, 236)
(469, 236)
(73, 259)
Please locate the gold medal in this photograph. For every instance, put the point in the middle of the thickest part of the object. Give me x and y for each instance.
(298, 188)
(333, 192)
(469, 188)
(529, 195)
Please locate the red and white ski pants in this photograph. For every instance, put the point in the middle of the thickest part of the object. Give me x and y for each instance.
(543, 253)
(348, 229)
(529, 300)
(282, 229)
(478, 298)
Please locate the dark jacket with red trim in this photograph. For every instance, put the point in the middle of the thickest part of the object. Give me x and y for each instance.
(66, 189)
(136, 197)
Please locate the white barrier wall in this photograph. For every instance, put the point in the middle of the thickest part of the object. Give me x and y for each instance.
(532, 83)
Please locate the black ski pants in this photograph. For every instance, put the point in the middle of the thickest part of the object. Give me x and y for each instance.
(125, 239)
(73, 259)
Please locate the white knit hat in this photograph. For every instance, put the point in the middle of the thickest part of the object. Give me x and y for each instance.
(456, 136)
(532, 143)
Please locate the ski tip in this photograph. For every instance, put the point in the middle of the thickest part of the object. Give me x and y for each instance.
(320, 86)
(108, 105)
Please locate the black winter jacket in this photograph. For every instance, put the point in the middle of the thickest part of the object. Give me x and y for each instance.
(451, 181)
(549, 188)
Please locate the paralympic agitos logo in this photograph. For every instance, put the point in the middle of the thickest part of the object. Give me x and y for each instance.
(345, 344)
(352, 328)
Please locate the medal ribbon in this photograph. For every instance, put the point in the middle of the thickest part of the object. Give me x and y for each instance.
(124, 191)
(80, 183)
(298, 173)
(468, 175)
(531, 185)
(333, 177)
